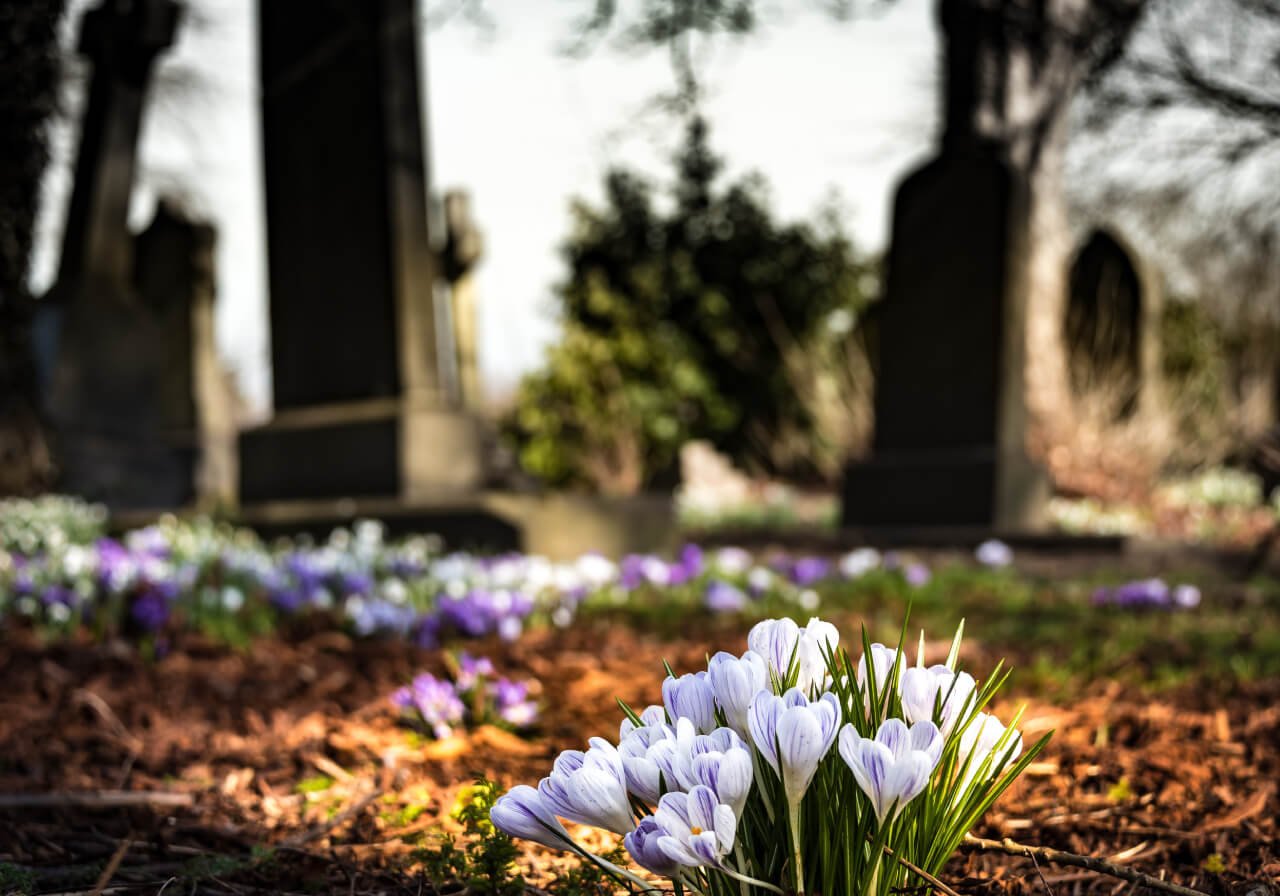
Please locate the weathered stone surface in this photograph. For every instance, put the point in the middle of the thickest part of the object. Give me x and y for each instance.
(357, 374)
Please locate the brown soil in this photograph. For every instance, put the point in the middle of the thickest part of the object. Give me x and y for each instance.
(1176, 786)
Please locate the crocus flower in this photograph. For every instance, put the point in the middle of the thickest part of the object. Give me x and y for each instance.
(721, 597)
(690, 697)
(1186, 596)
(879, 671)
(917, 575)
(859, 562)
(780, 642)
(893, 768)
(471, 669)
(652, 715)
(978, 743)
(938, 687)
(735, 683)
(522, 812)
(642, 844)
(590, 788)
(697, 830)
(994, 553)
(793, 735)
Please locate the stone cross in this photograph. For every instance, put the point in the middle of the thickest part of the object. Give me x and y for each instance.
(121, 39)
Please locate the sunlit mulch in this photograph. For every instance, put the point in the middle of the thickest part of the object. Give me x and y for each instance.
(294, 746)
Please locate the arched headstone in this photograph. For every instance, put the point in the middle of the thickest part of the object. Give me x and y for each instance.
(1105, 324)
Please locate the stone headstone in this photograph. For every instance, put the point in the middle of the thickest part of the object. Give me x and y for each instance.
(360, 405)
(950, 407)
(462, 250)
(121, 437)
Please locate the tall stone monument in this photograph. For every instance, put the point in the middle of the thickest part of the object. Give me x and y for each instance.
(950, 399)
(121, 437)
(361, 409)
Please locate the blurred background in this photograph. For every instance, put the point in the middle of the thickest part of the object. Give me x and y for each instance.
(656, 252)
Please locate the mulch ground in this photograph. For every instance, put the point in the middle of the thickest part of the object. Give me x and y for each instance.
(1183, 786)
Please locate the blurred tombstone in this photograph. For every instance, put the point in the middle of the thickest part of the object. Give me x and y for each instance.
(1112, 326)
(463, 247)
(122, 437)
(360, 403)
(175, 274)
(950, 403)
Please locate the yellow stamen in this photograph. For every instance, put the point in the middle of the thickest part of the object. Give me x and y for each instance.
(695, 831)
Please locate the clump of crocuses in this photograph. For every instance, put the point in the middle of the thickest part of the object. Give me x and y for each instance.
(475, 695)
(788, 769)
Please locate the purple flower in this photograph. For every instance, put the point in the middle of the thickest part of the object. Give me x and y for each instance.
(993, 553)
(472, 669)
(435, 701)
(511, 699)
(808, 570)
(917, 575)
(150, 610)
(687, 567)
(721, 597)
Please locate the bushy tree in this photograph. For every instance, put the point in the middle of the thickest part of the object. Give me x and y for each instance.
(695, 314)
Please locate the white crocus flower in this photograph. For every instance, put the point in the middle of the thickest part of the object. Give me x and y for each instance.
(894, 767)
(981, 750)
(924, 690)
(735, 683)
(781, 642)
(690, 697)
(879, 671)
(590, 788)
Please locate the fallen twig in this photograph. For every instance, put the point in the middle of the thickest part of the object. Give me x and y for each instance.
(925, 875)
(95, 799)
(112, 866)
(1089, 863)
(338, 820)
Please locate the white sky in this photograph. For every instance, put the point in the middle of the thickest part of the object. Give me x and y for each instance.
(816, 106)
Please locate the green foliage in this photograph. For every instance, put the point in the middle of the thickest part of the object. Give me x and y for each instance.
(486, 863)
(16, 879)
(688, 318)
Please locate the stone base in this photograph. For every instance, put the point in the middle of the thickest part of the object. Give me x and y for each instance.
(944, 490)
(374, 449)
(562, 527)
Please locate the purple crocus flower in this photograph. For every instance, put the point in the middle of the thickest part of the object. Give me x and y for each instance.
(471, 669)
(808, 570)
(150, 610)
(917, 575)
(511, 700)
(721, 597)
(434, 700)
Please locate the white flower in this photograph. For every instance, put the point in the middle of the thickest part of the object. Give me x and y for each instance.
(859, 562)
(879, 671)
(590, 788)
(696, 829)
(783, 645)
(690, 697)
(794, 735)
(735, 683)
(522, 812)
(923, 690)
(978, 748)
(994, 553)
(893, 768)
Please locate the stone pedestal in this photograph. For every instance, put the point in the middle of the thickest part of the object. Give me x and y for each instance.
(950, 398)
(360, 406)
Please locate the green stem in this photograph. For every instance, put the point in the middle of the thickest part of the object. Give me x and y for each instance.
(793, 808)
(874, 884)
(751, 880)
(737, 854)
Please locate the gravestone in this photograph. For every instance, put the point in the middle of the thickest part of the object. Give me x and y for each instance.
(121, 436)
(462, 249)
(361, 408)
(950, 404)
